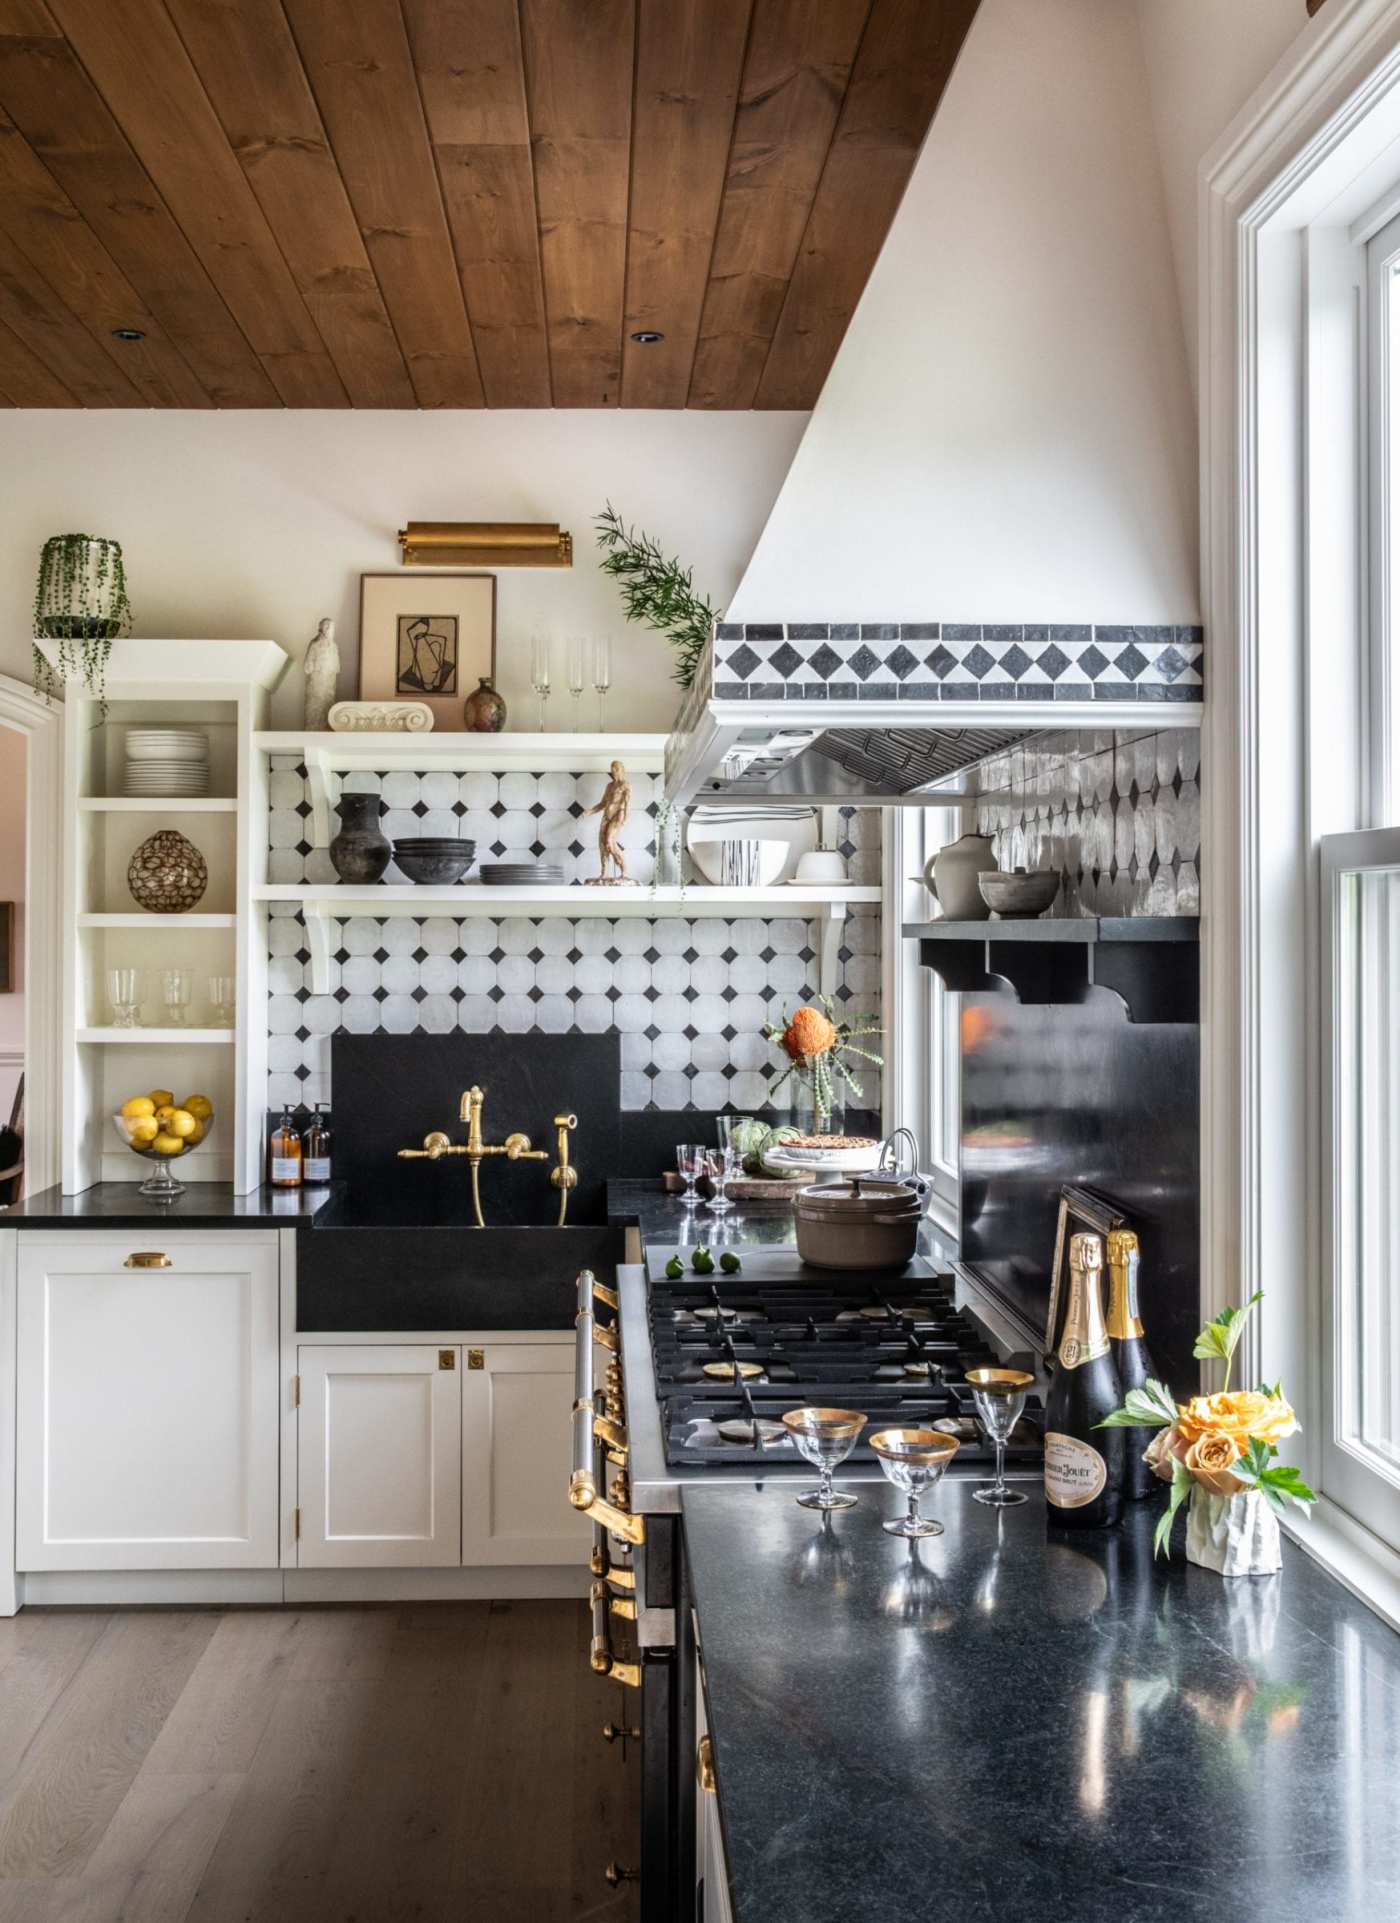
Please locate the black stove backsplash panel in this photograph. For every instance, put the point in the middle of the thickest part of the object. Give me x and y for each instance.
(392, 1090)
(1079, 1094)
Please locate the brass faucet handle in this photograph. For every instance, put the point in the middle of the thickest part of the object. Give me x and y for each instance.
(517, 1145)
(434, 1147)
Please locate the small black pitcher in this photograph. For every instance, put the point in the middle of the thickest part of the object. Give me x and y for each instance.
(361, 851)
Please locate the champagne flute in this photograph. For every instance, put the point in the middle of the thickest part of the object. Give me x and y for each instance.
(999, 1396)
(539, 670)
(576, 674)
(825, 1437)
(914, 1461)
(602, 671)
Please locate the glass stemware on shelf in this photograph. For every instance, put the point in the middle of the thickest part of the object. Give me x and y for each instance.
(221, 997)
(690, 1166)
(914, 1461)
(602, 671)
(577, 648)
(720, 1165)
(176, 985)
(124, 993)
(998, 1396)
(539, 670)
(825, 1437)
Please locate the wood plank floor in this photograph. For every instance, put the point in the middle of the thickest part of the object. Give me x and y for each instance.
(442, 1762)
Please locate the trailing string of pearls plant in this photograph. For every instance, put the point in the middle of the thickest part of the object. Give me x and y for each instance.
(80, 602)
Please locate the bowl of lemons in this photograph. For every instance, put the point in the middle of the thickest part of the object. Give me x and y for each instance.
(162, 1130)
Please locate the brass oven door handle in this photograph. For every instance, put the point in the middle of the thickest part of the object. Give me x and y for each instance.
(600, 1653)
(147, 1259)
(705, 1765)
(588, 1481)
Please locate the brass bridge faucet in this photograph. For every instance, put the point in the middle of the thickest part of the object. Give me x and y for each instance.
(516, 1148)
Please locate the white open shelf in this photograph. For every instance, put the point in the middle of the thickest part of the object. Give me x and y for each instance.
(158, 804)
(143, 918)
(156, 1037)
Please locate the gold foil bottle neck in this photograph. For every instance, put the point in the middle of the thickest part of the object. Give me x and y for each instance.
(1121, 1244)
(1085, 1251)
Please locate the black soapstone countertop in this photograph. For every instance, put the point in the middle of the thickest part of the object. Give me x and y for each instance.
(663, 1219)
(1005, 1723)
(204, 1205)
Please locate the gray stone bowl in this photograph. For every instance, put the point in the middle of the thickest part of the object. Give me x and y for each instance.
(1020, 894)
(433, 862)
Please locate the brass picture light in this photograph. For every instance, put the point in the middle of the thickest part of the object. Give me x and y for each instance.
(486, 544)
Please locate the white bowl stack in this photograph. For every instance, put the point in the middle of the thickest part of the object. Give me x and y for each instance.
(166, 762)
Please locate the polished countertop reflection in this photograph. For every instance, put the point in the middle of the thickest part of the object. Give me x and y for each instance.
(662, 1219)
(1007, 1722)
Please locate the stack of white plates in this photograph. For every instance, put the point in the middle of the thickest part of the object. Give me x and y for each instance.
(167, 761)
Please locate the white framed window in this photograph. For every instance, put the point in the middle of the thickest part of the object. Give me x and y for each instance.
(921, 1023)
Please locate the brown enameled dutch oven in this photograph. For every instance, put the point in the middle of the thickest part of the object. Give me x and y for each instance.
(863, 1223)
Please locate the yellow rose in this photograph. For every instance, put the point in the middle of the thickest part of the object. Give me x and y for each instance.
(1240, 1413)
(1209, 1458)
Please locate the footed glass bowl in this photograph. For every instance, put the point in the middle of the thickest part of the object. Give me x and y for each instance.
(160, 1149)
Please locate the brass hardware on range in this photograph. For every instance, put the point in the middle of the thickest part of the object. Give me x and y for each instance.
(600, 1656)
(516, 1148)
(705, 1764)
(147, 1259)
(611, 1572)
(476, 1358)
(624, 1608)
(617, 1873)
(583, 1494)
(611, 1732)
(486, 544)
(447, 1358)
(608, 1297)
(605, 1338)
(612, 1433)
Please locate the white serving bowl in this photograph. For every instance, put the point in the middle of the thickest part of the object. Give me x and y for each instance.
(749, 861)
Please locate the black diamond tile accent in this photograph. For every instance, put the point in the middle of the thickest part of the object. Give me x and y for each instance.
(536, 994)
(1170, 663)
(1131, 660)
(302, 1072)
(863, 663)
(381, 955)
(825, 662)
(977, 661)
(303, 849)
(742, 662)
(1052, 661)
(420, 808)
(381, 994)
(786, 660)
(420, 994)
(496, 994)
(902, 663)
(459, 808)
(940, 662)
(1015, 661)
(498, 808)
(1093, 662)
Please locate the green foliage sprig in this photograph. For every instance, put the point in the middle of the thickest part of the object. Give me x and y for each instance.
(657, 591)
(80, 601)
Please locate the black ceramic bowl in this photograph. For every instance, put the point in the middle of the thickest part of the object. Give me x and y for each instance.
(434, 867)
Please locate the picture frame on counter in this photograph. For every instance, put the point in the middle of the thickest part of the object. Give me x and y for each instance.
(426, 637)
(1080, 1208)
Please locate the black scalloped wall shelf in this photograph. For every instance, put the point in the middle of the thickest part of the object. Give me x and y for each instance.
(1151, 962)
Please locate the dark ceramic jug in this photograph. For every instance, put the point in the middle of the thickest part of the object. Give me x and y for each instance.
(360, 852)
(485, 711)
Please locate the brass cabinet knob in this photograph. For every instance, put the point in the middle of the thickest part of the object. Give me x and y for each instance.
(147, 1259)
(611, 1732)
(617, 1873)
(705, 1764)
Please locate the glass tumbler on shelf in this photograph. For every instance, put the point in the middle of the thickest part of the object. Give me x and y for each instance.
(602, 671)
(825, 1437)
(175, 987)
(914, 1461)
(221, 994)
(998, 1396)
(539, 670)
(576, 674)
(124, 993)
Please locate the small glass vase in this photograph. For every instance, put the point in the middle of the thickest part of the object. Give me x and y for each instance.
(806, 1114)
(1233, 1535)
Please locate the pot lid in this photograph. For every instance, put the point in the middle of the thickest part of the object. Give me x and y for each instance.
(859, 1197)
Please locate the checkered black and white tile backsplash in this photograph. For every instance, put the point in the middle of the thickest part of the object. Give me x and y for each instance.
(688, 996)
(1118, 814)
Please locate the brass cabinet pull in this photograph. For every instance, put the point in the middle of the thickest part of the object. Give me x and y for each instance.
(147, 1259)
(705, 1765)
(447, 1358)
(611, 1732)
(600, 1656)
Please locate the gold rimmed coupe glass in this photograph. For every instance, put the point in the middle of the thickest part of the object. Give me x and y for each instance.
(999, 1396)
(914, 1461)
(825, 1437)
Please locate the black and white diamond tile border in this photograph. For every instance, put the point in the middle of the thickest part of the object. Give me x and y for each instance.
(1118, 814)
(688, 997)
(951, 661)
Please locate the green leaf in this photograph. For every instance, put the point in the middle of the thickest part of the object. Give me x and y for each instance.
(1217, 1340)
(1181, 1489)
(1279, 1482)
(1150, 1407)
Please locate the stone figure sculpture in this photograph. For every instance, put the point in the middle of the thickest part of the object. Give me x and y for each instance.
(322, 669)
(612, 805)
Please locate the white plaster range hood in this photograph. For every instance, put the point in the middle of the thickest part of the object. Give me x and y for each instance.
(889, 714)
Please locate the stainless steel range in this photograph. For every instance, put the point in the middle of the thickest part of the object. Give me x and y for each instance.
(698, 1372)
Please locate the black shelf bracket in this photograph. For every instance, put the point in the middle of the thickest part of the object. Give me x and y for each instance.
(1151, 963)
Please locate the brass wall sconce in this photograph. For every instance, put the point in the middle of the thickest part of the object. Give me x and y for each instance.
(486, 544)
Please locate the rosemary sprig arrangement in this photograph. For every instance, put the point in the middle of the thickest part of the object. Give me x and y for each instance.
(657, 591)
(80, 602)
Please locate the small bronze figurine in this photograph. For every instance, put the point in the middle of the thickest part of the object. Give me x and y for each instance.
(612, 805)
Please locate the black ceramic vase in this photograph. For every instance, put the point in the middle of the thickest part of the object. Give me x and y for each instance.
(360, 852)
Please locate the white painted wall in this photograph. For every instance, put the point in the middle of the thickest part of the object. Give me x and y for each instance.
(260, 523)
(12, 812)
(1006, 434)
(1204, 59)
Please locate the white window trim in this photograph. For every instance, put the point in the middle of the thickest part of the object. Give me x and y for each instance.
(917, 1058)
(1275, 578)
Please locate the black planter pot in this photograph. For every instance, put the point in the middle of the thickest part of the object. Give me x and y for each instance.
(360, 852)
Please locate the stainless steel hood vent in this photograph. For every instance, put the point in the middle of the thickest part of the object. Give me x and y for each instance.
(885, 715)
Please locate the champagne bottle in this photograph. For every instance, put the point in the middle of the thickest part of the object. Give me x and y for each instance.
(1130, 1353)
(1083, 1464)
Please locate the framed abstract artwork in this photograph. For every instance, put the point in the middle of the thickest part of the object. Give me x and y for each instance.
(427, 637)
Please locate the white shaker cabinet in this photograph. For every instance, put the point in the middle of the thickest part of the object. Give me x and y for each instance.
(517, 1452)
(379, 1456)
(147, 1433)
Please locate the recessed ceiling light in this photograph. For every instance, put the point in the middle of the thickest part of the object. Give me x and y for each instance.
(647, 336)
(128, 334)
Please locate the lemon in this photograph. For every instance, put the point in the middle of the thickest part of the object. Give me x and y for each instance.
(164, 1113)
(167, 1144)
(180, 1122)
(199, 1106)
(144, 1130)
(138, 1105)
(161, 1098)
(198, 1135)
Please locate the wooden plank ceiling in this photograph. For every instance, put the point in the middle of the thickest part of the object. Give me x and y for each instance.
(449, 203)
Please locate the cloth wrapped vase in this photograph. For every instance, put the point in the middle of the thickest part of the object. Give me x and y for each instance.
(1233, 1535)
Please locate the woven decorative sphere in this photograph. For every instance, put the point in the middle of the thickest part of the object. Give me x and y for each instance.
(167, 874)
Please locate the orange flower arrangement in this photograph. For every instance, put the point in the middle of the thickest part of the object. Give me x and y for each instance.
(809, 1034)
(816, 1045)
